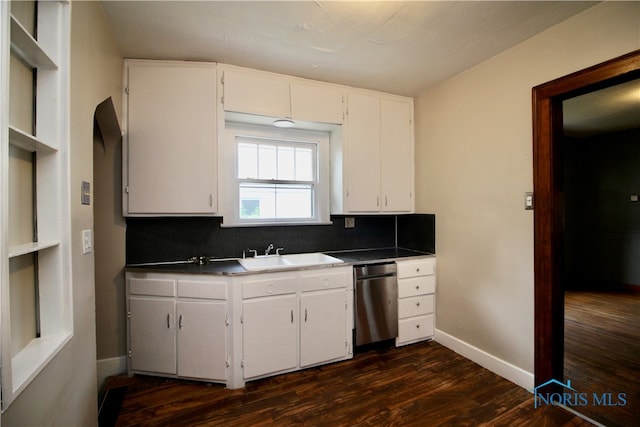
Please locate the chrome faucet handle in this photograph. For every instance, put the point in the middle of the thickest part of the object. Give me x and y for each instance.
(255, 252)
(269, 249)
(278, 250)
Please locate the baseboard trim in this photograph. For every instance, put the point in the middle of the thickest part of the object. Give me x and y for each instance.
(498, 366)
(109, 367)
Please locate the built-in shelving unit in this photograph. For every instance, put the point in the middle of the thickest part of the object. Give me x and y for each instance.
(28, 142)
(28, 49)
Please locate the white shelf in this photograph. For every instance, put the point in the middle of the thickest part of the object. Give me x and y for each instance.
(28, 248)
(26, 47)
(28, 142)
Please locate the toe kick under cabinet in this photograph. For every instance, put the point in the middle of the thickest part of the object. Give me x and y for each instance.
(416, 299)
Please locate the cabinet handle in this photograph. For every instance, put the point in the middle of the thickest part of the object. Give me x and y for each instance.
(418, 326)
(168, 320)
(378, 201)
(385, 201)
(418, 304)
(180, 322)
(305, 314)
(291, 316)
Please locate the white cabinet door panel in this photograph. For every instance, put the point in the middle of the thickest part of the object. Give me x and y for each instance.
(269, 327)
(153, 343)
(397, 155)
(322, 326)
(363, 153)
(202, 340)
(171, 139)
(316, 103)
(253, 92)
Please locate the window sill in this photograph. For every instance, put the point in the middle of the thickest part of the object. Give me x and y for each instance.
(273, 224)
(32, 359)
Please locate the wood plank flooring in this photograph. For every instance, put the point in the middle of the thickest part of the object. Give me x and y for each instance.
(423, 384)
(602, 351)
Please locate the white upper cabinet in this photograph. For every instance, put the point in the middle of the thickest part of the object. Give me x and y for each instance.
(375, 170)
(396, 167)
(170, 139)
(316, 102)
(254, 92)
(274, 95)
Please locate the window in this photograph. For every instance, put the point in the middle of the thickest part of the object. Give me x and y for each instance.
(278, 176)
(35, 296)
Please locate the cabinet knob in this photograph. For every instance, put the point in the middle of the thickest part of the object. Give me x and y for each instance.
(417, 286)
(418, 270)
(418, 304)
(418, 326)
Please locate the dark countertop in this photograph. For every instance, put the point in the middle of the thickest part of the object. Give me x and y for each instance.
(233, 267)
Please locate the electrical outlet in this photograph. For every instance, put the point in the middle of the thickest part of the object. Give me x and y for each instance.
(87, 241)
(633, 198)
(349, 222)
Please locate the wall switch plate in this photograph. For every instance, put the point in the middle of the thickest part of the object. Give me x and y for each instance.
(349, 222)
(85, 195)
(87, 241)
(528, 201)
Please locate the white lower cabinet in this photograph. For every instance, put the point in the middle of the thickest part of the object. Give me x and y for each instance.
(177, 326)
(416, 300)
(292, 320)
(269, 342)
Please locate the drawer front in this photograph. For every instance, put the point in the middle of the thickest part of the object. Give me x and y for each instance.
(415, 328)
(416, 286)
(418, 267)
(152, 287)
(206, 290)
(270, 286)
(327, 279)
(416, 306)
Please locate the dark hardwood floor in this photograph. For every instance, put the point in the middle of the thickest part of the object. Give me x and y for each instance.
(602, 352)
(423, 384)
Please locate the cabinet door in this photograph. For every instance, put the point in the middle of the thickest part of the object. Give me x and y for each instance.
(269, 327)
(396, 131)
(363, 153)
(171, 138)
(152, 329)
(252, 92)
(316, 103)
(323, 316)
(202, 342)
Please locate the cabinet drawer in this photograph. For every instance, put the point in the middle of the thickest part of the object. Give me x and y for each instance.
(328, 279)
(206, 290)
(152, 287)
(418, 267)
(271, 286)
(415, 328)
(416, 286)
(416, 306)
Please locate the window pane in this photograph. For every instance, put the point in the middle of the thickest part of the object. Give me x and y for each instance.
(267, 162)
(275, 201)
(247, 160)
(304, 164)
(286, 163)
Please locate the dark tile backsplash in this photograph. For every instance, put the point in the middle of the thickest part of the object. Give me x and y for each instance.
(175, 238)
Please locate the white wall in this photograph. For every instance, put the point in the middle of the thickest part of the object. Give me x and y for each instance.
(65, 392)
(473, 166)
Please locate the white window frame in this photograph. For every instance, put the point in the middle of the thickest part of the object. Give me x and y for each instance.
(231, 211)
(50, 56)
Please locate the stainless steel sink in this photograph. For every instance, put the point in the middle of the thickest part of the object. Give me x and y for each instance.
(277, 262)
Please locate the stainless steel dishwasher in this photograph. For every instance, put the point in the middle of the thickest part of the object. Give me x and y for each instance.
(376, 308)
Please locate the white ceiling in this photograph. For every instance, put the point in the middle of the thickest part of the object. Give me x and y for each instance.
(390, 46)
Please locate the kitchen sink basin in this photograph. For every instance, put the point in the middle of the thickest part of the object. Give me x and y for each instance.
(275, 262)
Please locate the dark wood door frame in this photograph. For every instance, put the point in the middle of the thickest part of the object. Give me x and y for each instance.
(549, 200)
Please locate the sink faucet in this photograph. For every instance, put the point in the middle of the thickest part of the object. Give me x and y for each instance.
(269, 248)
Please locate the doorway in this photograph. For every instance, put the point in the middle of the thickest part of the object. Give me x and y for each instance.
(549, 214)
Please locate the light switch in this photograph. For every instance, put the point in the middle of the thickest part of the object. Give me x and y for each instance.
(528, 201)
(633, 198)
(87, 241)
(85, 195)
